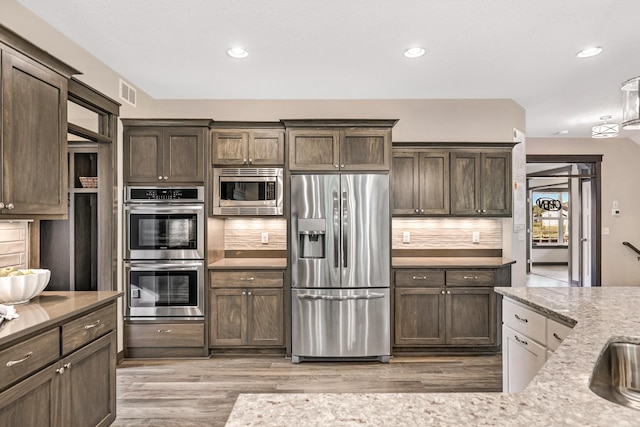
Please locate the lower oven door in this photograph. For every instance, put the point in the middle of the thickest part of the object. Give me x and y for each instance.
(162, 289)
(350, 323)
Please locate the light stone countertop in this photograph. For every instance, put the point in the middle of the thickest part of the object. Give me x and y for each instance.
(249, 263)
(558, 396)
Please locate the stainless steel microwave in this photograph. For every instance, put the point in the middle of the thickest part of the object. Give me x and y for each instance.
(247, 191)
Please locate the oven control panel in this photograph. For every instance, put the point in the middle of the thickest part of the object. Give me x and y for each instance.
(184, 194)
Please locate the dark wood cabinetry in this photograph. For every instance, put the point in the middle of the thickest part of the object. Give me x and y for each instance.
(448, 308)
(164, 339)
(77, 386)
(452, 180)
(247, 308)
(33, 128)
(164, 151)
(248, 144)
(481, 183)
(323, 145)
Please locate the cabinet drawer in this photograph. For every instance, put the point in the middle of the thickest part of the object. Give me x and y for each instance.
(164, 335)
(419, 278)
(471, 277)
(22, 359)
(247, 279)
(556, 333)
(81, 331)
(524, 320)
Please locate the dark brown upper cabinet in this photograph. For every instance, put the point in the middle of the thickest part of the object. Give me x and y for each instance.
(336, 145)
(420, 182)
(33, 130)
(164, 151)
(245, 144)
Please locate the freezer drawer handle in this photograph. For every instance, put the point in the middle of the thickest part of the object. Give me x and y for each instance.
(340, 298)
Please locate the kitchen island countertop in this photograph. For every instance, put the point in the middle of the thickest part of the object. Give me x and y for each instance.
(249, 263)
(558, 395)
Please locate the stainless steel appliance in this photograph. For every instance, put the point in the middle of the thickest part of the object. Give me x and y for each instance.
(247, 191)
(161, 289)
(164, 253)
(340, 266)
(164, 223)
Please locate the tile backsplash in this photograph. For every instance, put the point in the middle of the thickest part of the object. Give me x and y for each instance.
(14, 246)
(447, 233)
(246, 234)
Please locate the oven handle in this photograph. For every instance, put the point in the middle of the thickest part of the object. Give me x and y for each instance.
(164, 265)
(152, 209)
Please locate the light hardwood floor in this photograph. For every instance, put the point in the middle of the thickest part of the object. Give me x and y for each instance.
(202, 392)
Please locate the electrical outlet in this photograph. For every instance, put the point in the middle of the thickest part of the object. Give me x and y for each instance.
(406, 237)
(615, 212)
(476, 237)
(265, 237)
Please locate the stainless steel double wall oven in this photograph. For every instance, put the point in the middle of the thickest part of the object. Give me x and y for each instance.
(164, 252)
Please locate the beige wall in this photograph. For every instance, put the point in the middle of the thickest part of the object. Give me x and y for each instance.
(620, 181)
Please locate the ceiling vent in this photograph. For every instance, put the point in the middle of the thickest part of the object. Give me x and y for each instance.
(127, 93)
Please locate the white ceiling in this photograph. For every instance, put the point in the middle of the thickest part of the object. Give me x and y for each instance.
(352, 49)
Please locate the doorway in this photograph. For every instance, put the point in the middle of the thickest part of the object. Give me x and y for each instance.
(563, 221)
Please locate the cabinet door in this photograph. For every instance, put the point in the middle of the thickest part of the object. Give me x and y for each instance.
(34, 147)
(471, 316)
(89, 384)
(228, 317)
(365, 149)
(419, 316)
(405, 184)
(313, 149)
(143, 162)
(230, 147)
(265, 317)
(465, 180)
(522, 358)
(495, 190)
(434, 183)
(266, 148)
(183, 154)
(32, 402)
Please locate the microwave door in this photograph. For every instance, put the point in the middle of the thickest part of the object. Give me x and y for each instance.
(315, 231)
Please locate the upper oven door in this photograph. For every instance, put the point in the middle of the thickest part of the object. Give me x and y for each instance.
(164, 231)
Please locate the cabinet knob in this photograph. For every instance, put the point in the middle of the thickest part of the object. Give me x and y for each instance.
(1, 205)
(448, 292)
(10, 206)
(341, 166)
(67, 365)
(335, 166)
(60, 371)
(250, 161)
(421, 210)
(484, 211)
(249, 293)
(160, 177)
(244, 292)
(417, 210)
(166, 177)
(442, 292)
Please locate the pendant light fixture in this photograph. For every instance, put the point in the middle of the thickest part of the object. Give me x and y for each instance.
(631, 104)
(605, 130)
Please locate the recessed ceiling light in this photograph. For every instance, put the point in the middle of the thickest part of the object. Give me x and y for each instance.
(414, 52)
(237, 52)
(589, 52)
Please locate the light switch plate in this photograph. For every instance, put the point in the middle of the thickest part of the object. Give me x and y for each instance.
(406, 237)
(265, 237)
(476, 237)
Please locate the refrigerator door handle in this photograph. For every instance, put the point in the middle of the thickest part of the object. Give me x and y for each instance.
(336, 230)
(373, 295)
(345, 230)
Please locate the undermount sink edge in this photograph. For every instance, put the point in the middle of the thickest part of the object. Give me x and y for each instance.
(616, 374)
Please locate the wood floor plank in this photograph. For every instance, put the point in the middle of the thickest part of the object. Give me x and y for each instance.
(202, 392)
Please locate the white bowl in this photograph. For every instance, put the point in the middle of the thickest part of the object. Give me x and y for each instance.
(20, 289)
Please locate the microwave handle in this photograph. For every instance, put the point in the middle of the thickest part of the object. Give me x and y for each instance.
(166, 208)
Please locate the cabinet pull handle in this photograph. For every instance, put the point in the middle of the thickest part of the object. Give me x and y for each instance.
(164, 331)
(92, 325)
(520, 341)
(419, 277)
(470, 277)
(249, 279)
(556, 336)
(15, 362)
(522, 319)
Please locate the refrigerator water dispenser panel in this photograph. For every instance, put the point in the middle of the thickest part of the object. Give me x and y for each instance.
(312, 232)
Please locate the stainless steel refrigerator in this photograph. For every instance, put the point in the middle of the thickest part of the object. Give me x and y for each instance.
(340, 266)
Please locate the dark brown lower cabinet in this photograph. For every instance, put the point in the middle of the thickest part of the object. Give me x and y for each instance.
(420, 316)
(471, 315)
(78, 390)
(246, 317)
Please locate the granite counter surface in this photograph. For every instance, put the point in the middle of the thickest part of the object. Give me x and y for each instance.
(249, 263)
(50, 308)
(558, 396)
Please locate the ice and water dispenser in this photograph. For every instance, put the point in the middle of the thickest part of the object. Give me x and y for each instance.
(311, 237)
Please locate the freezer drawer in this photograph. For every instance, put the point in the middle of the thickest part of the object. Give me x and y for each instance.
(331, 323)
